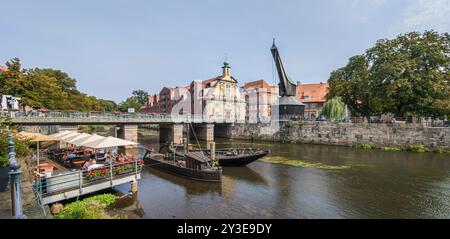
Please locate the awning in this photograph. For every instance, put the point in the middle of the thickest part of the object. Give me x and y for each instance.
(36, 137)
(61, 134)
(78, 137)
(108, 143)
(69, 136)
(83, 141)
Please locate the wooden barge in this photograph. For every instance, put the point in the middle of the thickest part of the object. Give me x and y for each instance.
(193, 165)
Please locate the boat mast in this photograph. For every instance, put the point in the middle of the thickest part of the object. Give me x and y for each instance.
(188, 139)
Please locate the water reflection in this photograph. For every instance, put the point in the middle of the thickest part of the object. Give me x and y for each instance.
(245, 174)
(363, 184)
(191, 187)
(128, 206)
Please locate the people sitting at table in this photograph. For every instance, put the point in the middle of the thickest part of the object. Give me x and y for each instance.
(71, 156)
(122, 158)
(89, 163)
(109, 157)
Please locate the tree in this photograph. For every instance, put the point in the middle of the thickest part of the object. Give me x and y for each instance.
(351, 83)
(64, 80)
(108, 105)
(130, 102)
(48, 88)
(333, 109)
(21, 146)
(141, 96)
(407, 75)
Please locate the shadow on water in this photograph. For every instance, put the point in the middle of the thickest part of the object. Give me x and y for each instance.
(128, 206)
(192, 187)
(245, 174)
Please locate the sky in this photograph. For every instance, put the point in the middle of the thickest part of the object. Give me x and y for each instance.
(112, 47)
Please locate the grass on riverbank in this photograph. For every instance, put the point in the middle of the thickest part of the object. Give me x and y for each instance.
(416, 148)
(299, 163)
(90, 208)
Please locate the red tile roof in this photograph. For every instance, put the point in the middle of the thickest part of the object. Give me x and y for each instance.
(256, 84)
(308, 93)
(2, 68)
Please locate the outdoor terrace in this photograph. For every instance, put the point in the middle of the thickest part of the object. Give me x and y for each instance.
(66, 183)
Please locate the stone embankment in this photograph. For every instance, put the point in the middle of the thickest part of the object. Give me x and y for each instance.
(346, 134)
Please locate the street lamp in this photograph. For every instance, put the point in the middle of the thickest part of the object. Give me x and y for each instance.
(15, 179)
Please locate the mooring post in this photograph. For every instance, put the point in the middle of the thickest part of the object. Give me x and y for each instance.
(213, 151)
(186, 145)
(15, 179)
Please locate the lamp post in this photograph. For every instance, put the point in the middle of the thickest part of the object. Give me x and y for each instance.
(15, 179)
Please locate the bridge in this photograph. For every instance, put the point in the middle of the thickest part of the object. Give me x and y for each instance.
(87, 119)
(171, 128)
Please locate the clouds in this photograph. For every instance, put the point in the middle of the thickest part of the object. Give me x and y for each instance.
(422, 15)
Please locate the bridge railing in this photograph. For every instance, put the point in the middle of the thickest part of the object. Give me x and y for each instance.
(19, 116)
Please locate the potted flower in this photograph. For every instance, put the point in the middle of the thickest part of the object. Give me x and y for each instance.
(96, 174)
(123, 169)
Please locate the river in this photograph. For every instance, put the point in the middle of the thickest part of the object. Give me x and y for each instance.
(301, 181)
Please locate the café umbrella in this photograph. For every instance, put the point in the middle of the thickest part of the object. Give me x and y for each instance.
(68, 136)
(70, 140)
(61, 134)
(36, 137)
(109, 142)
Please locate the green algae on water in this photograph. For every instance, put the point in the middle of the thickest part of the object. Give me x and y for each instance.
(299, 163)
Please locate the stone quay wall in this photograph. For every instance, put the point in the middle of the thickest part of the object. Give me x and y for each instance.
(345, 134)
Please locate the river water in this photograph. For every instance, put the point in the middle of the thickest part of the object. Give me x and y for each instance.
(301, 181)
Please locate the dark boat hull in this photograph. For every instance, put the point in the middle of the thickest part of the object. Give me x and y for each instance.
(239, 160)
(201, 175)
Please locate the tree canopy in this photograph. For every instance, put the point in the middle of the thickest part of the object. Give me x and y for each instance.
(333, 109)
(136, 101)
(48, 88)
(130, 102)
(141, 96)
(407, 75)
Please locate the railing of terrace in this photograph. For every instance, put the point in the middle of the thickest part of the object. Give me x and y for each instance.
(78, 179)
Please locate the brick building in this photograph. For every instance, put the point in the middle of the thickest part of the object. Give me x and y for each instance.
(313, 96)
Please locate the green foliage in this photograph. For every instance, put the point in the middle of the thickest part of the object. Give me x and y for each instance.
(136, 101)
(21, 147)
(141, 96)
(442, 151)
(406, 75)
(130, 102)
(366, 146)
(104, 199)
(333, 109)
(48, 88)
(392, 149)
(418, 148)
(90, 129)
(89, 208)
